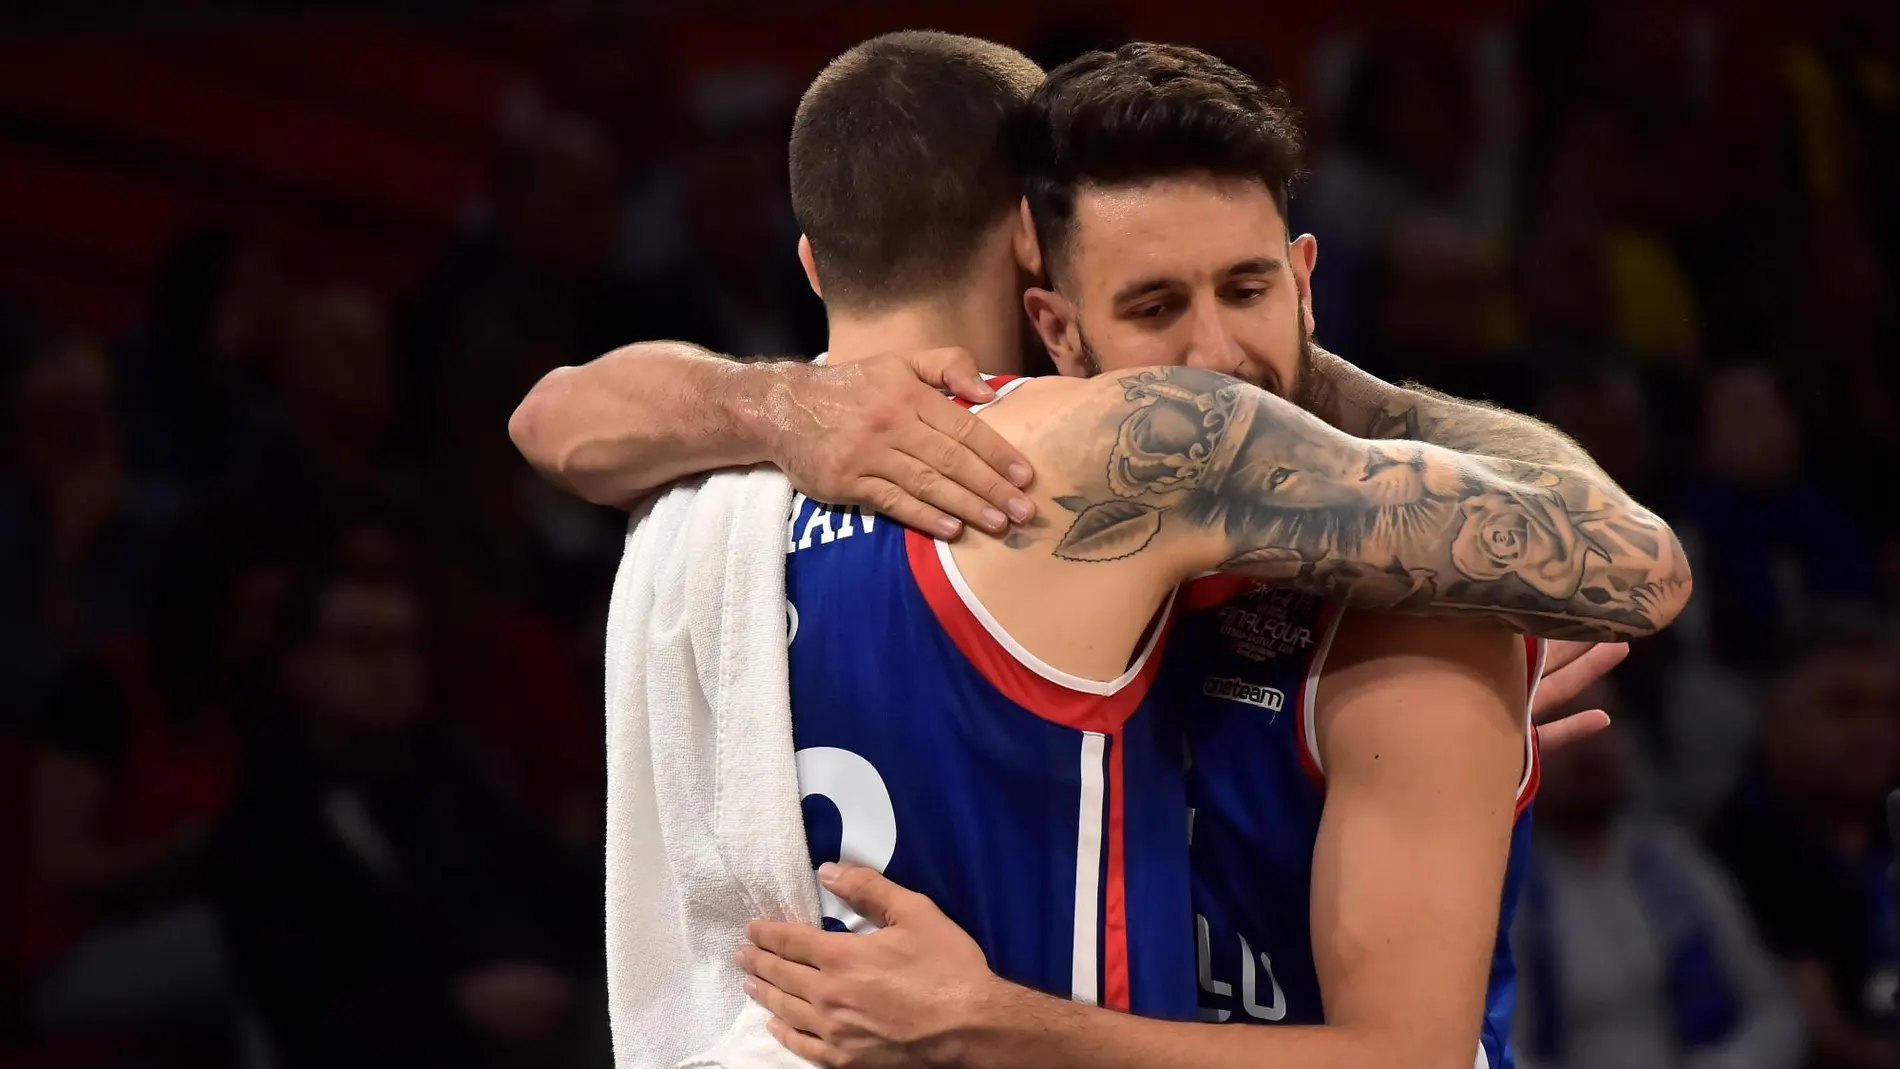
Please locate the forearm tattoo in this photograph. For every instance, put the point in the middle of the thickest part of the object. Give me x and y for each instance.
(1369, 407)
(1393, 525)
(1422, 415)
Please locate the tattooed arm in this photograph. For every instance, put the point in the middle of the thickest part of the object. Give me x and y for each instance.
(1366, 406)
(1205, 471)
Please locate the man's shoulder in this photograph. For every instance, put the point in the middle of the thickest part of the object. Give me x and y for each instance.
(1025, 393)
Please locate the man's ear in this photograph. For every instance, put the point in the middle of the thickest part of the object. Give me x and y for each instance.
(1054, 318)
(810, 265)
(1028, 248)
(1305, 250)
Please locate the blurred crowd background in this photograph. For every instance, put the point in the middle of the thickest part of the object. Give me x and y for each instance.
(300, 742)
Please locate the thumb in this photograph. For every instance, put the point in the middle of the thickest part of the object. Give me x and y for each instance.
(869, 892)
(954, 370)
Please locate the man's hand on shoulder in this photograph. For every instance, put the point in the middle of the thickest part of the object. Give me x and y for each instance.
(880, 433)
(875, 432)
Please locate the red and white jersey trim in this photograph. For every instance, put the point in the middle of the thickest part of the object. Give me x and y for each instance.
(1021, 676)
(1097, 708)
(1028, 680)
(1002, 384)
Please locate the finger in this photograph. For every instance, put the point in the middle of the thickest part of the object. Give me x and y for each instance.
(951, 369)
(990, 447)
(1560, 652)
(963, 379)
(1561, 687)
(917, 478)
(794, 942)
(965, 467)
(875, 896)
(791, 1009)
(887, 498)
(791, 977)
(1571, 729)
(808, 1047)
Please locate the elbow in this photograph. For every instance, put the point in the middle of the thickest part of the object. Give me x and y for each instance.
(1678, 585)
(1652, 593)
(543, 430)
(528, 426)
(1660, 599)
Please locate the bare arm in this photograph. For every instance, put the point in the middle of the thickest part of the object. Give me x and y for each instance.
(1367, 406)
(1769, 1036)
(1421, 730)
(644, 415)
(875, 432)
(1191, 470)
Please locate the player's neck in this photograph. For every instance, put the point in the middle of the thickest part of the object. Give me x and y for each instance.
(990, 334)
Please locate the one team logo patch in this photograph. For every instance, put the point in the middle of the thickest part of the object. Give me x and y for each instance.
(1234, 689)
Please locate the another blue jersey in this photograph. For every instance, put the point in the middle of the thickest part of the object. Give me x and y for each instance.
(1041, 812)
(1245, 663)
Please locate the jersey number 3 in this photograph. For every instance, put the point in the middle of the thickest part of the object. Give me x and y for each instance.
(867, 822)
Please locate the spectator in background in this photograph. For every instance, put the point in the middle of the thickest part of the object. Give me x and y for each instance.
(1805, 834)
(338, 390)
(550, 239)
(1768, 540)
(1615, 148)
(1404, 152)
(1437, 309)
(754, 295)
(385, 903)
(1589, 288)
(1843, 120)
(78, 532)
(1839, 360)
(1406, 137)
(522, 539)
(516, 688)
(136, 757)
(611, 73)
(1633, 948)
(1606, 409)
(193, 381)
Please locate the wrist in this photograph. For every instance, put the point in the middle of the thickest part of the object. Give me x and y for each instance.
(761, 398)
(995, 1016)
(1346, 396)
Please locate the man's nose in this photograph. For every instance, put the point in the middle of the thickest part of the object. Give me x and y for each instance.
(1212, 346)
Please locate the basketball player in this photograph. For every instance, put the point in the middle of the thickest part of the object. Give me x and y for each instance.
(1157, 186)
(1170, 505)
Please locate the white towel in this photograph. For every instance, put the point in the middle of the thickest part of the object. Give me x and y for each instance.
(704, 828)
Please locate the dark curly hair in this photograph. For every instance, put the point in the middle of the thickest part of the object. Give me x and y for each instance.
(1146, 112)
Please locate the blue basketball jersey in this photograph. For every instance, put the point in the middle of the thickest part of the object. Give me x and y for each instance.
(1041, 812)
(1245, 665)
